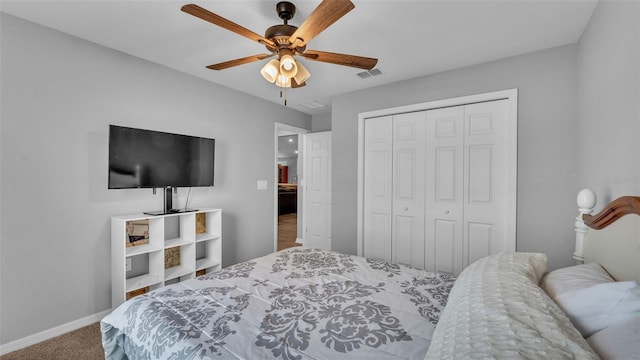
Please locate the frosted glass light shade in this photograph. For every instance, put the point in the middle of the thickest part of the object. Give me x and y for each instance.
(270, 71)
(288, 66)
(303, 74)
(283, 81)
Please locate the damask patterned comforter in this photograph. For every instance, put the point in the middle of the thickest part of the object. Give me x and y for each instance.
(298, 303)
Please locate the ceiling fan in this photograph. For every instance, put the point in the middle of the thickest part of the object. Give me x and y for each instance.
(286, 41)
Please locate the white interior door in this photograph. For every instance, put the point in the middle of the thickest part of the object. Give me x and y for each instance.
(378, 148)
(444, 190)
(318, 190)
(408, 189)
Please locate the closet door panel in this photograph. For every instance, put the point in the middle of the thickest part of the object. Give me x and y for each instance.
(485, 180)
(378, 188)
(405, 241)
(479, 240)
(378, 241)
(408, 189)
(446, 172)
(481, 174)
(446, 233)
(444, 190)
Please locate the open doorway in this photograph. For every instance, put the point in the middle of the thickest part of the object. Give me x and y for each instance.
(289, 190)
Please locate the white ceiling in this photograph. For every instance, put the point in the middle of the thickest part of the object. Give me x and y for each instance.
(410, 38)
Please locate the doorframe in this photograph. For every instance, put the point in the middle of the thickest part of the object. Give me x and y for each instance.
(281, 127)
(512, 149)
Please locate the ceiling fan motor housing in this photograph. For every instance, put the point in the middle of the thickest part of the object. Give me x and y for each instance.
(281, 33)
(285, 10)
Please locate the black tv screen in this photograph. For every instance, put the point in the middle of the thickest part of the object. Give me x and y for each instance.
(145, 159)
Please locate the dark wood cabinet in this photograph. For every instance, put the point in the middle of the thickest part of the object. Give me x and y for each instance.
(287, 199)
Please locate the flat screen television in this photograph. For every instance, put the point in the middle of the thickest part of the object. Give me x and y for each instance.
(141, 158)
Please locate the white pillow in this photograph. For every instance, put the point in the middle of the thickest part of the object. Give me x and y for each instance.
(573, 278)
(599, 306)
(620, 341)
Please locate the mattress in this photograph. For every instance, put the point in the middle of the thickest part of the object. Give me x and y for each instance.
(298, 303)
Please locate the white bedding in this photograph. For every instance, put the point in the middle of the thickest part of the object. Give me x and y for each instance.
(497, 310)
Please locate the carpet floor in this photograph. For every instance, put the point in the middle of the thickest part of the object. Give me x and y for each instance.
(84, 343)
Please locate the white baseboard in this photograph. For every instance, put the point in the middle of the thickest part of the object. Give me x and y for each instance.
(299, 241)
(51, 333)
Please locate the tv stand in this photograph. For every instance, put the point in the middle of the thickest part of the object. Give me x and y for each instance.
(180, 211)
(168, 204)
(197, 235)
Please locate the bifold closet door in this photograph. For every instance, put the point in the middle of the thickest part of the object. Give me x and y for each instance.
(394, 188)
(408, 189)
(435, 193)
(465, 216)
(444, 195)
(485, 181)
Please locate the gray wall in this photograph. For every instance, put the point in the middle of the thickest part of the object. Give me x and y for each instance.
(59, 94)
(547, 142)
(321, 122)
(609, 102)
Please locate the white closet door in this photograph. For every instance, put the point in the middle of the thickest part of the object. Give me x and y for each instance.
(377, 187)
(444, 190)
(486, 174)
(408, 189)
(318, 181)
(435, 186)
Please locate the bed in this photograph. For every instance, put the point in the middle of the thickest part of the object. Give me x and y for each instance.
(304, 303)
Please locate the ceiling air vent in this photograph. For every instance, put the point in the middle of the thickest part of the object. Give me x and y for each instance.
(314, 105)
(370, 73)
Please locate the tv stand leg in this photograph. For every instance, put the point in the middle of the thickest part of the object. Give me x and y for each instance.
(168, 199)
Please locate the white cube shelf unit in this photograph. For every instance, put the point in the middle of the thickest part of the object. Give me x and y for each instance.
(199, 250)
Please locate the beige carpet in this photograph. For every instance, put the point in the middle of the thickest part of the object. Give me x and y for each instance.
(84, 343)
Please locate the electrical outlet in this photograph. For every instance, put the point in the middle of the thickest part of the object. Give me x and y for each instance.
(128, 264)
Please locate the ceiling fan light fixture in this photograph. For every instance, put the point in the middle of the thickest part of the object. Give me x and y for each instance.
(271, 71)
(303, 74)
(286, 41)
(283, 81)
(288, 66)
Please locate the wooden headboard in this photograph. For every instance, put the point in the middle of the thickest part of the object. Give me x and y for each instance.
(611, 237)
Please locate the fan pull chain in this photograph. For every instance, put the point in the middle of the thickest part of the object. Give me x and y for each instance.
(285, 95)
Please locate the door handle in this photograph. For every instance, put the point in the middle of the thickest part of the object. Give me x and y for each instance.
(405, 208)
(446, 211)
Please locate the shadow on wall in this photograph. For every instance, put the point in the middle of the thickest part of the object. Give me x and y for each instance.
(229, 245)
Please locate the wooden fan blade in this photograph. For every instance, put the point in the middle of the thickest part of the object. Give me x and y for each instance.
(328, 12)
(360, 62)
(215, 19)
(295, 85)
(236, 62)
